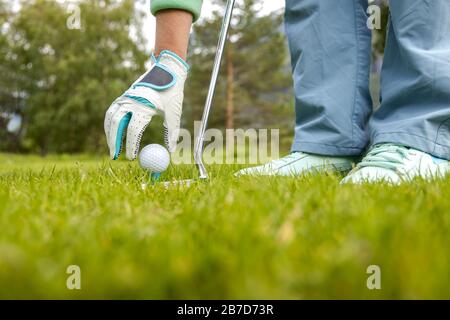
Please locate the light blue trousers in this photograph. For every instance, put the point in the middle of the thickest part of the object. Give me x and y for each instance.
(330, 46)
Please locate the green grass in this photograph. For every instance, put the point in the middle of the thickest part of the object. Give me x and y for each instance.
(277, 238)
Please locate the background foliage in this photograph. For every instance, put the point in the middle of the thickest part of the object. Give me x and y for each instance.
(61, 80)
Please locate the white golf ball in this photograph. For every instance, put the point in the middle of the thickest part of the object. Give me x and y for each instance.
(154, 158)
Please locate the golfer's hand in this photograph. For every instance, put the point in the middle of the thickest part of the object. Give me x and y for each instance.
(158, 92)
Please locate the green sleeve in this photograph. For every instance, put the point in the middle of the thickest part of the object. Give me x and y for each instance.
(193, 6)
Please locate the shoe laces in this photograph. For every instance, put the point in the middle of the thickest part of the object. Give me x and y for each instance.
(385, 156)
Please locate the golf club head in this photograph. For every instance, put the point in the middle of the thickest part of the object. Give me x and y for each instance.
(203, 174)
(198, 158)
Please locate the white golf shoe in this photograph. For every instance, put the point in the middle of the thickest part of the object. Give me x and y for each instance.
(298, 163)
(395, 164)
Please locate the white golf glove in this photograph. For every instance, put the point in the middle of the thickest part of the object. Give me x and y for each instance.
(158, 92)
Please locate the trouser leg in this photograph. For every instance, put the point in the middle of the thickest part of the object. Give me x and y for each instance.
(330, 44)
(415, 89)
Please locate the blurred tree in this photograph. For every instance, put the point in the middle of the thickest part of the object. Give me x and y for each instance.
(68, 74)
(255, 79)
(5, 94)
(10, 105)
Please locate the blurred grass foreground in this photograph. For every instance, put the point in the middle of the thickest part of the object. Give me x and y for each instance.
(263, 238)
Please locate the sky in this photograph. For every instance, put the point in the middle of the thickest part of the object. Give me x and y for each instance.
(149, 23)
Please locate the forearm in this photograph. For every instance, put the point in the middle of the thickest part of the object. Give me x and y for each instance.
(173, 24)
(172, 31)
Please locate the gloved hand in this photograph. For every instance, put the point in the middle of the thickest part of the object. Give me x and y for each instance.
(158, 92)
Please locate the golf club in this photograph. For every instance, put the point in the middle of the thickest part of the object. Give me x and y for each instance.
(198, 147)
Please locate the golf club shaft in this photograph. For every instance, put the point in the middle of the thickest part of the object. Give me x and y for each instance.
(198, 152)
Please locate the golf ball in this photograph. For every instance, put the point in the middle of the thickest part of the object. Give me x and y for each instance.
(154, 158)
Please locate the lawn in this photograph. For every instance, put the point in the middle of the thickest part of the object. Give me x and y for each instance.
(247, 238)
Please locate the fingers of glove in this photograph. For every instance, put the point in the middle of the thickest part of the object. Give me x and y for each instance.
(136, 128)
(119, 124)
(108, 118)
(172, 132)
